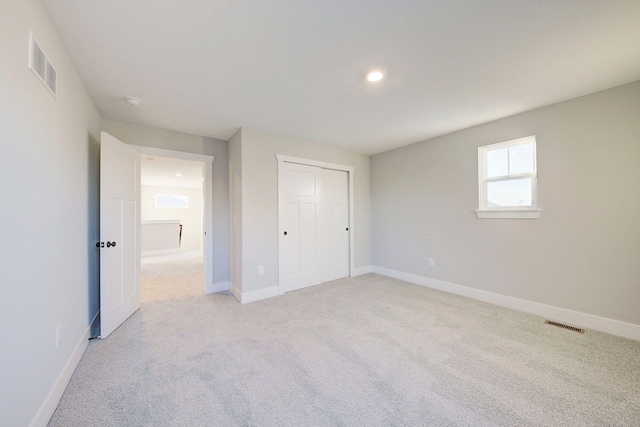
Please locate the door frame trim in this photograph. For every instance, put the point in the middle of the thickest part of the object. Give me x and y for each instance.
(207, 217)
(325, 165)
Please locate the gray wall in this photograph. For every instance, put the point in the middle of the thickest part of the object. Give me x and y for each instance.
(582, 254)
(49, 215)
(235, 203)
(177, 141)
(260, 201)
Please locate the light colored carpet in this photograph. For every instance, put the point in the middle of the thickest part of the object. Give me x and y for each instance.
(363, 351)
(171, 277)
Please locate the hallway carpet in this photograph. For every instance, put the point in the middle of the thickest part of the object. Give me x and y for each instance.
(172, 277)
(362, 351)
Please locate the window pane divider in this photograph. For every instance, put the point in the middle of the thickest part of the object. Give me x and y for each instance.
(516, 212)
(510, 177)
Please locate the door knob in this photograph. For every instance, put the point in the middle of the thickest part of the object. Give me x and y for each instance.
(347, 228)
(285, 233)
(110, 244)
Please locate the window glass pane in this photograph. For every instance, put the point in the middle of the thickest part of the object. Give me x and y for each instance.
(521, 159)
(171, 201)
(497, 163)
(509, 193)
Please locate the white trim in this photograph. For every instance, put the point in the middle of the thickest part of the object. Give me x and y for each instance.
(265, 293)
(48, 407)
(584, 320)
(207, 250)
(506, 214)
(247, 297)
(235, 292)
(352, 226)
(175, 154)
(359, 271)
(216, 287)
(309, 162)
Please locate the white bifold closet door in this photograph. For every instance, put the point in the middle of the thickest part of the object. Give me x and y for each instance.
(333, 224)
(314, 226)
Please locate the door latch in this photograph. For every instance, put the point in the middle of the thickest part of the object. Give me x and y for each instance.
(109, 244)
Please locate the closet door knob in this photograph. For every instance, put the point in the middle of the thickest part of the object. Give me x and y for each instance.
(285, 233)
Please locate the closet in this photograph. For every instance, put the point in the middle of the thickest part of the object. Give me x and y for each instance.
(313, 225)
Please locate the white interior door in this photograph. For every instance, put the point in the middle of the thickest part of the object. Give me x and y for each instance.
(119, 233)
(298, 226)
(333, 228)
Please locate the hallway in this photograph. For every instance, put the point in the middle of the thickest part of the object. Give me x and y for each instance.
(172, 277)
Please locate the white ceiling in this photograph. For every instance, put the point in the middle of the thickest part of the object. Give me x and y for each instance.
(296, 68)
(165, 172)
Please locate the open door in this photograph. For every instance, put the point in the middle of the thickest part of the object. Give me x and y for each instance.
(119, 233)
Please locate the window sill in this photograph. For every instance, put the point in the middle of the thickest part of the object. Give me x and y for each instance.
(514, 214)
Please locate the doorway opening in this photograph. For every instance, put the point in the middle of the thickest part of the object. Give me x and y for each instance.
(172, 230)
(175, 221)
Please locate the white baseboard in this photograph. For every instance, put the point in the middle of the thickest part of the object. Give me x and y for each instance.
(212, 288)
(50, 403)
(247, 297)
(359, 271)
(265, 293)
(235, 292)
(576, 318)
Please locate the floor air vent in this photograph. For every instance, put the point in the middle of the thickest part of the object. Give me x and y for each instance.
(562, 325)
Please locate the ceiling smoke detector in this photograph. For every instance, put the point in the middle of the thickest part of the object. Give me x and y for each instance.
(133, 101)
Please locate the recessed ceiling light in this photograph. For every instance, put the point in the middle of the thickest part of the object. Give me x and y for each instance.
(374, 76)
(133, 101)
(178, 175)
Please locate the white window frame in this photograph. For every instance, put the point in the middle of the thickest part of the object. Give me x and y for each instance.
(510, 212)
(162, 206)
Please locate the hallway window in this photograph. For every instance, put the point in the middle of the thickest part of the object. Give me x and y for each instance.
(171, 201)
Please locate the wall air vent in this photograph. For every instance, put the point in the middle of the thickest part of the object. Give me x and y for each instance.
(562, 325)
(41, 67)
